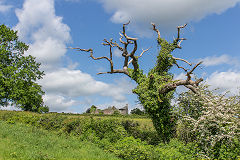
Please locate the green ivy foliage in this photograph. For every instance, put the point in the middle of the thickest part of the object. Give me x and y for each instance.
(18, 74)
(155, 104)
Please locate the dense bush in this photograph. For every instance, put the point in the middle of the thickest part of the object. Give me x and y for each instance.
(131, 148)
(145, 134)
(101, 128)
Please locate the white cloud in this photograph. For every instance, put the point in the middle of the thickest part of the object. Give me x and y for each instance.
(74, 83)
(225, 81)
(223, 59)
(10, 108)
(58, 103)
(180, 76)
(166, 13)
(117, 52)
(39, 25)
(4, 7)
(118, 90)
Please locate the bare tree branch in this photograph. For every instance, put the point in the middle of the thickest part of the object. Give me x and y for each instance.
(114, 71)
(128, 41)
(115, 44)
(179, 28)
(181, 67)
(156, 30)
(179, 40)
(190, 72)
(180, 59)
(143, 51)
(188, 83)
(124, 32)
(110, 60)
(192, 85)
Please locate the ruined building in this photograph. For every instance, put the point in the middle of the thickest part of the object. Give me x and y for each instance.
(111, 110)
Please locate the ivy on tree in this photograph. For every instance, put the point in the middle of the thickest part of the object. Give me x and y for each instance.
(155, 89)
(18, 74)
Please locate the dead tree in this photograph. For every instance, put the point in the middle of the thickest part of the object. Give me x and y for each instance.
(155, 89)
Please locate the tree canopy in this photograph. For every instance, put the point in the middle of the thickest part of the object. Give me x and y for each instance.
(19, 74)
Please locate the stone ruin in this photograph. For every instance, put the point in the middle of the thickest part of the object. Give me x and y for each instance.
(112, 110)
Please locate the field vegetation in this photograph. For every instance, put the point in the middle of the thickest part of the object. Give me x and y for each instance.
(18, 141)
(123, 136)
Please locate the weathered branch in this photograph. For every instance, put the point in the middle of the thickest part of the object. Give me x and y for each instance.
(128, 41)
(91, 53)
(181, 67)
(115, 44)
(110, 44)
(190, 72)
(124, 33)
(187, 83)
(143, 51)
(156, 30)
(179, 40)
(114, 71)
(110, 60)
(180, 59)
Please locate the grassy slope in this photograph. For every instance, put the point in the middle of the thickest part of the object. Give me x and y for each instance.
(18, 141)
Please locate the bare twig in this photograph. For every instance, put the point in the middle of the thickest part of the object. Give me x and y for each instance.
(190, 72)
(156, 30)
(180, 59)
(178, 39)
(143, 51)
(181, 67)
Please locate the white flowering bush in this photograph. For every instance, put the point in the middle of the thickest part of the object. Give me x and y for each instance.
(212, 121)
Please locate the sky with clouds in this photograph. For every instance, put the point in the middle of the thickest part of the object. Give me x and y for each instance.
(71, 83)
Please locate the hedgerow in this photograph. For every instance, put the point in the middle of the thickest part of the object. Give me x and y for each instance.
(113, 136)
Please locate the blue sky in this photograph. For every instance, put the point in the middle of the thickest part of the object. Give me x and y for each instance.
(71, 83)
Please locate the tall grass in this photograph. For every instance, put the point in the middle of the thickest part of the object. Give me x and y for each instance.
(18, 141)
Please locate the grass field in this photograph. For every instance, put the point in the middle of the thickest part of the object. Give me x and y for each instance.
(18, 141)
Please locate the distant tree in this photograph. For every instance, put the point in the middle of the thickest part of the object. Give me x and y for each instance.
(154, 89)
(88, 110)
(93, 109)
(18, 74)
(137, 111)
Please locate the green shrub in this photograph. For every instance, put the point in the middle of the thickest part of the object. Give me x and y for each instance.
(103, 128)
(228, 150)
(131, 148)
(174, 150)
(133, 129)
